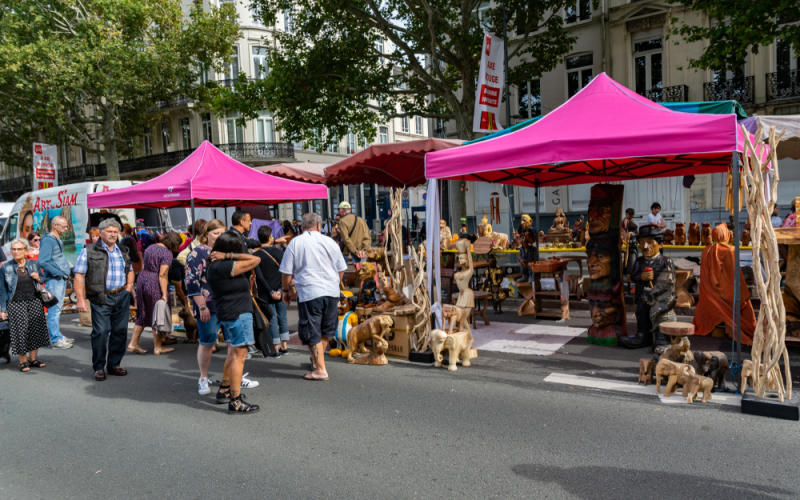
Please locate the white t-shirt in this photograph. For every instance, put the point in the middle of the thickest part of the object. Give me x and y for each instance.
(315, 261)
(654, 219)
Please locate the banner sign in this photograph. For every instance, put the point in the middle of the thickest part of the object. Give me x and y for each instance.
(489, 92)
(45, 165)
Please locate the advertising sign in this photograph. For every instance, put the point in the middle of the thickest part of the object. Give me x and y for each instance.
(45, 166)
(489, 92)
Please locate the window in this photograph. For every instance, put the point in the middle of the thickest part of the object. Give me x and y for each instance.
(577, 11)
(288, 21)
(383, 135)
(351, 143)
(260, 69)
(379, 49)
(186, 133)
(440, 129)
(235, 131)
(418, 125)
(232, 68)
(787, 60)
(404, 126)
(334, 146)
(165, 135)
(148, 146)
(206, 125)
(579, 72)
(203, 74)
(530, 98)
(264, 130)
(255, 16)
(647, 65)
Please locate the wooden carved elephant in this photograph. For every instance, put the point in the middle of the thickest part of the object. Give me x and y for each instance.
(695, 384)
(457, 344)
(676, 373)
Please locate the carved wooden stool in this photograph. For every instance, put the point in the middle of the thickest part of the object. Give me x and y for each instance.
(676, 330)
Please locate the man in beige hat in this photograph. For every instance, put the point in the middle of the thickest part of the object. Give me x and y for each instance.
(354, 237)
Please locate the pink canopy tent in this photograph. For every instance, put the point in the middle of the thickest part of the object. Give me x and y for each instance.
(208, 178)
(606, 132)
(299, 171)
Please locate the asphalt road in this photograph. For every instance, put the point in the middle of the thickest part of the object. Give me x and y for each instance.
(495, 430)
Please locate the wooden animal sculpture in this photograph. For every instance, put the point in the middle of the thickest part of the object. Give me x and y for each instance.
(457, 318)
(372, 329)
(367, 295)
(645, 370)
(189, 326)
(713, 364)
(669, 236)
(694, 233)
(678, 353)
(376, 254)
(346, 321)
(378, 355)
(457, 344)
(695, 384)
(746, 235)
(680, 233)
(705, 234)
(675, 373)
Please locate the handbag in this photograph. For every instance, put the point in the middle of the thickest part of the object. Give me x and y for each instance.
(48, 299)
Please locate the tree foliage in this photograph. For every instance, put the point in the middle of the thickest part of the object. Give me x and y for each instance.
(350, 64)
(738, 27)
(90, 72)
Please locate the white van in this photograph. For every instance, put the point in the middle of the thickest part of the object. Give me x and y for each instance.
(33, 211)
(5, 211)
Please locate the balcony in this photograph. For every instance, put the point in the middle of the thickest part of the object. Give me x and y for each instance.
(675, 93)
(734, 89)
(259, 153)
(783, 85)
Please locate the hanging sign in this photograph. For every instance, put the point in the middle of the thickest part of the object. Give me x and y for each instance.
(45, 165)
(490, 86)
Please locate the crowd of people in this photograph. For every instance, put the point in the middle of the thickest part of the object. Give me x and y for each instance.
(229, 280)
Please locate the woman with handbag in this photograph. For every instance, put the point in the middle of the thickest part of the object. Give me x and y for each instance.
(269, 288)
(21, 304)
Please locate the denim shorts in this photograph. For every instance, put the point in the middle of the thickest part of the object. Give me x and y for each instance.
(207, 330)
(239, 332)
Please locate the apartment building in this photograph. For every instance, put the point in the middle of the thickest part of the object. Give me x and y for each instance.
(629, 40)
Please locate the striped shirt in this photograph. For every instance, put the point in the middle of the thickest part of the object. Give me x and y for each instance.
(116, 275)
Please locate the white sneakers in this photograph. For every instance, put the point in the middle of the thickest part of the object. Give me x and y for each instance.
(247, 383)
(203, 386)
(62, 344)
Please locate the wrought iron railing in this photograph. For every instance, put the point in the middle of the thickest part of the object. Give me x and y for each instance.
(17, 185)
(258, 150)
(734, 89)
(80, 173)
(783, 85)
(161, 160)
(675, 93)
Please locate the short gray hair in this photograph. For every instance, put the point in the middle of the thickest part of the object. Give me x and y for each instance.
(109, 222)
(21, 241)
(311, 220)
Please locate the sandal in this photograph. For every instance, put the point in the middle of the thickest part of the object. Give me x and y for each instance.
(223, 394)
(239, 405)
(137, 349)
(37, 363)
(25, 367)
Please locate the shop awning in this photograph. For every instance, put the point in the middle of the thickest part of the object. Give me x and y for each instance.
(299, 171)
(208, 178)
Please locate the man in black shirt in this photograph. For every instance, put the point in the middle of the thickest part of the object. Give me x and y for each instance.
(241, 223)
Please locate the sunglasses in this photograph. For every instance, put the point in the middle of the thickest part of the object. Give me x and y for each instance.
(36, 239)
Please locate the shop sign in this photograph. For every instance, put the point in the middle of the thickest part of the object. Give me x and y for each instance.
(488, 93)
(45, 165)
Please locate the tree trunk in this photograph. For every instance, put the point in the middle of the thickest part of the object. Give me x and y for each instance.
(110, 144)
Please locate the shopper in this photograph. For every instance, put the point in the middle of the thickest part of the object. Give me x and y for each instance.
(628, 225)
(791, 217)
(94, 235)
(315, 264)
(55, 272)
(22, 307)
(353, 233)
(776, 219)
(33, 246)
(103, 274)
(198, 228)
(230, 287)
(129, 241)
(152, 286)
(241, 222)
(654, 217)
(269, 288)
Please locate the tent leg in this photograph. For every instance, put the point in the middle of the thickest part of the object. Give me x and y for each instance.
(193, 218)
(736, 279)
(537, 215)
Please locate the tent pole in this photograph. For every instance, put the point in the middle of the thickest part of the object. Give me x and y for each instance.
(537, 216)
(193, 219)
(736, 279)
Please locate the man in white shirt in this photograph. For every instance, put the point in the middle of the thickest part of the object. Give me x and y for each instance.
(316, 265)
(654, 217)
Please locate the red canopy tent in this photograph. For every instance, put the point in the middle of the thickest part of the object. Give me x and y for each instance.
(299, 171)
(399, 164)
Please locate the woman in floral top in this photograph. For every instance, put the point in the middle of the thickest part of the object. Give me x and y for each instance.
(204, 308)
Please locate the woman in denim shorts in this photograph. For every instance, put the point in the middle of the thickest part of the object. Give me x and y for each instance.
(228, 276)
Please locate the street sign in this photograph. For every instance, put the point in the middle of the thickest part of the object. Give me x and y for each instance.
(45, 165)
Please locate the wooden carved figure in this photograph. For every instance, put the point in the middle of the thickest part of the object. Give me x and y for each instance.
(462, 277)
(713, 364)
(646, 370)
(444, 235)
(346, 321)
(694, 233)
(375, 328)
(673, 371)
(457, 344)
(705, 234)
(746, 235)
(680, 233)
(679, 352)
(695, 384)
(747, 374)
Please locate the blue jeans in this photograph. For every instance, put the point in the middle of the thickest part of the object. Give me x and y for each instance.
(110, 330)
(279, 325)
(207, 330)
(58, 288)
(239, 332)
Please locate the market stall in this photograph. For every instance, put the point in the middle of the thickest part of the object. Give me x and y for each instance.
(298, 171)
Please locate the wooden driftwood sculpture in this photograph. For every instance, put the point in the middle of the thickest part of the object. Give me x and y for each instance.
(646, 370)
(373, 329)
(769, 338)
(676, 373)
(697, 383)
(457, 344)
(694, 233)
(748, 375)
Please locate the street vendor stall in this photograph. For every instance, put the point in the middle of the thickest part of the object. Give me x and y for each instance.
(298, 171)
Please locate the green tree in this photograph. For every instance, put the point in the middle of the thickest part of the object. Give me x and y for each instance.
(349, 64)
(738, 27)
(90, 72)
